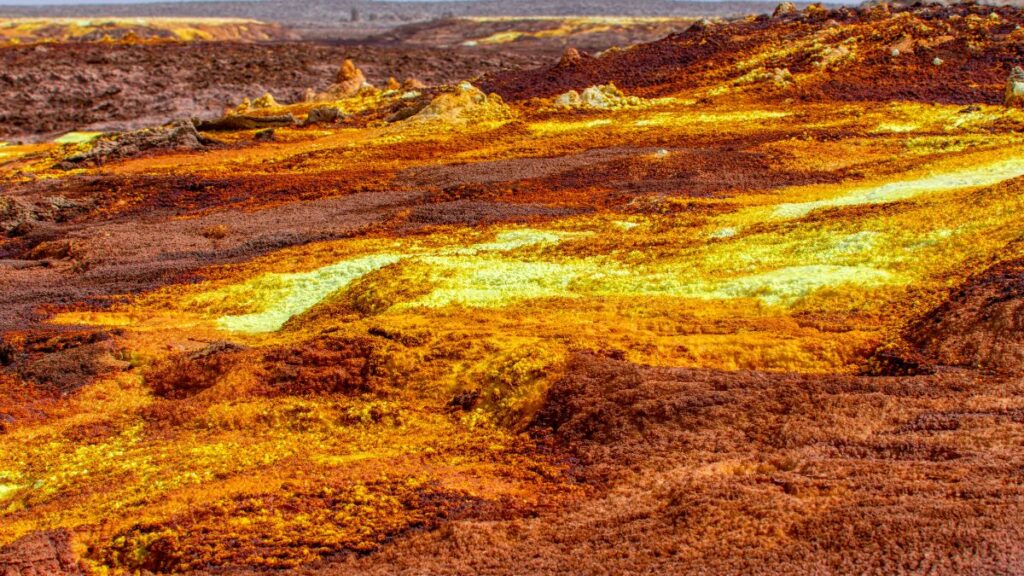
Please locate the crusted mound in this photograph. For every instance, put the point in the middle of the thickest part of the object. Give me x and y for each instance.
(464, 105)
(181, 134)
(1014, 95)
(956, 54)
(981, 325)
(348, 82)
(605, 97)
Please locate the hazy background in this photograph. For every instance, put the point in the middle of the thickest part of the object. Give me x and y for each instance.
(80, 2)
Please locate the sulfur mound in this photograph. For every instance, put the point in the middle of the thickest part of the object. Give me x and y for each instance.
(181, 134)
(265, 101)
(464, 105)
(262, 103)
(602, 97)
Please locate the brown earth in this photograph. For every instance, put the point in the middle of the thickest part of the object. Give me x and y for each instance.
(704, 472)
(49, 88)
(40, 554)
(706, 54)
(980, 325)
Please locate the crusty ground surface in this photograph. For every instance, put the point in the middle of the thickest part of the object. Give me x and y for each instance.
(735, 320)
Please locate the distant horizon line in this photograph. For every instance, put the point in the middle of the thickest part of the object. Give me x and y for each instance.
(76, 3)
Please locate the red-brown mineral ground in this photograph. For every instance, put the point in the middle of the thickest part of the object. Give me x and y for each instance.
(581, 295)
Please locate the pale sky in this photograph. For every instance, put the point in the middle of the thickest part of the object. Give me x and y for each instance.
(79, 2)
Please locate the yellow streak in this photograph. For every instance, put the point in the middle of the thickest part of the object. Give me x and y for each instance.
(973, 177)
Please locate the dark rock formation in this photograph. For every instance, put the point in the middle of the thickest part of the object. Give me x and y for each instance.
(181, 134)
(245, 122)
(323, 115)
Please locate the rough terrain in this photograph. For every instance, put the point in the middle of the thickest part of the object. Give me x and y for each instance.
(48, 88)
(745, 299)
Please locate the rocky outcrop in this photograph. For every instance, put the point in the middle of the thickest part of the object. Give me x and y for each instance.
(571, 57)
(176, 135)
(1014, 94)
(19, 217)
(464, 105)
(245, 122)
(603, 97)
(14, 215)
(40, 554)
(815, 11)
(784, 9)
(349, 81)
(265, 135)
(323, 115)
(413, 84)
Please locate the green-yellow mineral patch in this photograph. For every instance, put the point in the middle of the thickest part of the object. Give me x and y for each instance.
(973, 177)
(291, 294)
(78, 137)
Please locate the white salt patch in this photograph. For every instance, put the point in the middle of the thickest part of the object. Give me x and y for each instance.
(975, 177)
(785, 285)
(301, 291)
(293, 294)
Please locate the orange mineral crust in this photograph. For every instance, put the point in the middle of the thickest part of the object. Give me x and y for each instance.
(744, 300)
